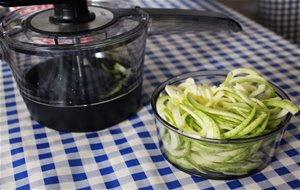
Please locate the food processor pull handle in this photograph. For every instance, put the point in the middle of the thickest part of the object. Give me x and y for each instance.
(13, 3)
(181, 20)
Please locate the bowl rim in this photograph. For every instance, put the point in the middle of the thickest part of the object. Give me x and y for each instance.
(202, 73)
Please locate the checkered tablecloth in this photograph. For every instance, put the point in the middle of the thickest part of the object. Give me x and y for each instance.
(126, 156)
(281, 16)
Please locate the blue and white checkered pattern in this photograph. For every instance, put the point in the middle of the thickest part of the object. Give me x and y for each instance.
(126, 156)
(281, 16)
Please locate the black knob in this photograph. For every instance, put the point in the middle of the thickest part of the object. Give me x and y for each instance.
(65, 11)
(76, 12)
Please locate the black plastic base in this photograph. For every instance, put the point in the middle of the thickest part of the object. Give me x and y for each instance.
(86, 118)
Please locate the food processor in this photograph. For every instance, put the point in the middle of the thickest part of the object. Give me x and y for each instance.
(79, 67)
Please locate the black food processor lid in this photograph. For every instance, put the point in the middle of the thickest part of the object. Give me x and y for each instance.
(58, 29)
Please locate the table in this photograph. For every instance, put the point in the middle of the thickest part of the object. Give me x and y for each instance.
(126, 156)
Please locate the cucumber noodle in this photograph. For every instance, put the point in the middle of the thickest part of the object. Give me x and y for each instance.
(245, 105)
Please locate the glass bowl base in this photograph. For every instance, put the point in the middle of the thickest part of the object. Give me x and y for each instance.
(214, 175)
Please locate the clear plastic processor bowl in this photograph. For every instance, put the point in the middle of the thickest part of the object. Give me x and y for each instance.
(254, 154)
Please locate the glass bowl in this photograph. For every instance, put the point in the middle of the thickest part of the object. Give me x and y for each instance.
(215, 158)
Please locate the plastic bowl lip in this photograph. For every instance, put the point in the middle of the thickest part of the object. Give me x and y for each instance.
(224, 73)
(107, 44)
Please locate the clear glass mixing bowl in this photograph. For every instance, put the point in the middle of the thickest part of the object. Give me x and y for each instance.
(216, 158)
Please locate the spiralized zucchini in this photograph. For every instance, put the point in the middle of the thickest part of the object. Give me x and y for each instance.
(245, 105)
